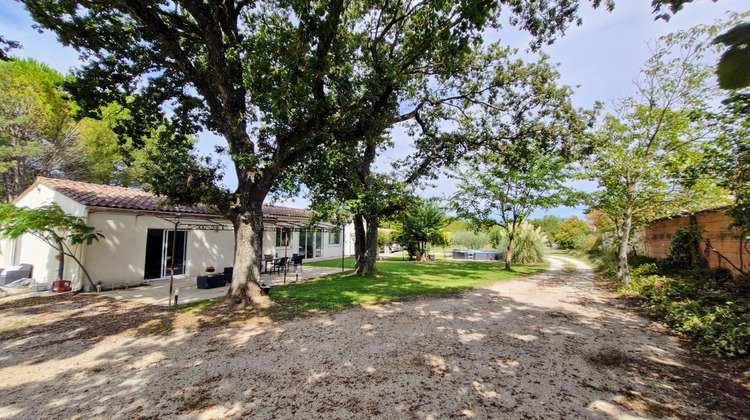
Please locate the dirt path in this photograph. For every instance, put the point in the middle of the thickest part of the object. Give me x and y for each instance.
(548, 346)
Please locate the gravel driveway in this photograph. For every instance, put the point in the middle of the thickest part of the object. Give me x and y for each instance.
(547, 346)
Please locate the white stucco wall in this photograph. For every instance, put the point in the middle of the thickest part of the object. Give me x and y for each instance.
(31, 250)
(209, 248)
(121, 256)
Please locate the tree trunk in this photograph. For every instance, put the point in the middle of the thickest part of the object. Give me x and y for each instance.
(365, 244)
(85, 272)
(248, 228)
(621, 257)
(60, 259)
(359, 242)
(509, 253)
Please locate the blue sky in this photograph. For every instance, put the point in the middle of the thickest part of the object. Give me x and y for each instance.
(600, 58)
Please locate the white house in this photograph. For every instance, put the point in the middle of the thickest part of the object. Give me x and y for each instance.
(139, 231)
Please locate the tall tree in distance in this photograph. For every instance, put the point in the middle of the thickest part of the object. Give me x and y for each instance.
(34, 123)
(39, 135)
(645, 150)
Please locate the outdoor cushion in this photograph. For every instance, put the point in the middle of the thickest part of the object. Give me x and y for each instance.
(210, 282)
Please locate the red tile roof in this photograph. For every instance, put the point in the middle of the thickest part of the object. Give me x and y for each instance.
(95, 195)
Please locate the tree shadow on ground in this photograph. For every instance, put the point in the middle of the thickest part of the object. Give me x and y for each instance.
(479, 353)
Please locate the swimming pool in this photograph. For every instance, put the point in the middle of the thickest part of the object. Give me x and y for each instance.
(475, 255)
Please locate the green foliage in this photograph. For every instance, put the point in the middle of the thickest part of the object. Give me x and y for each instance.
(706, 304)
(512, 178)
(470, 239)
(529, 245)
(550, 226)
(727, 158)
(733, 66)
(39, 135)
(646, 153)
(421, 228)
(51, 225)
(700, 307)
(457, 225)
(573, 231)
(384, 239)
(685, 249)
(593, 244)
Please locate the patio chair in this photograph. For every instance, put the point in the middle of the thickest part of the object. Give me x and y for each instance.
(297, 261)
(280, 264)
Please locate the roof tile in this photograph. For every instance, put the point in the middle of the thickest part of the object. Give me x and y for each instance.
(96, 195)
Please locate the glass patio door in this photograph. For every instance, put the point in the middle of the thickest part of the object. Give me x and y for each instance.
(159, 253)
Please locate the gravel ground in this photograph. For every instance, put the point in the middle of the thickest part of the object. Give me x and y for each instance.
(547, 346)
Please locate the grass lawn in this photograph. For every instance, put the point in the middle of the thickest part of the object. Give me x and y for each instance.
(397, 280)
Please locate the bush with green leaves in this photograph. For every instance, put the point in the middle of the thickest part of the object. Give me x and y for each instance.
(573, 231)
(702, 307)
(550, 225)
(685, 249)
(470, 240)
(707, 304)
(593, 244)
(419, 228)
(530, 245)
(384, 239)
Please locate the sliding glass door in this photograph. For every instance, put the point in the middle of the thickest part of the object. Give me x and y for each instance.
(310, 242)
(159, 253)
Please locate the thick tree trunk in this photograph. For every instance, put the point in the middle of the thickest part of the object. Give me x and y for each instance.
(621, 256)
(509, 253)
(365, 244)
(248, 228)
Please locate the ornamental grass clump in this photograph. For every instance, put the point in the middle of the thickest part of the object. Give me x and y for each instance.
(529, 245)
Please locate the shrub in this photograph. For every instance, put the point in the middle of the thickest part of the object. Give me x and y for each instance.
(384, 239)
(704, 306)
(550, 225)
(529, 245)
(470, 240)
(684, 250)
(593, 244)
(569, 230)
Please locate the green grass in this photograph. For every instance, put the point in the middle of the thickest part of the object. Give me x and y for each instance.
(397, 280)
(15, 325)
(348, 263)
